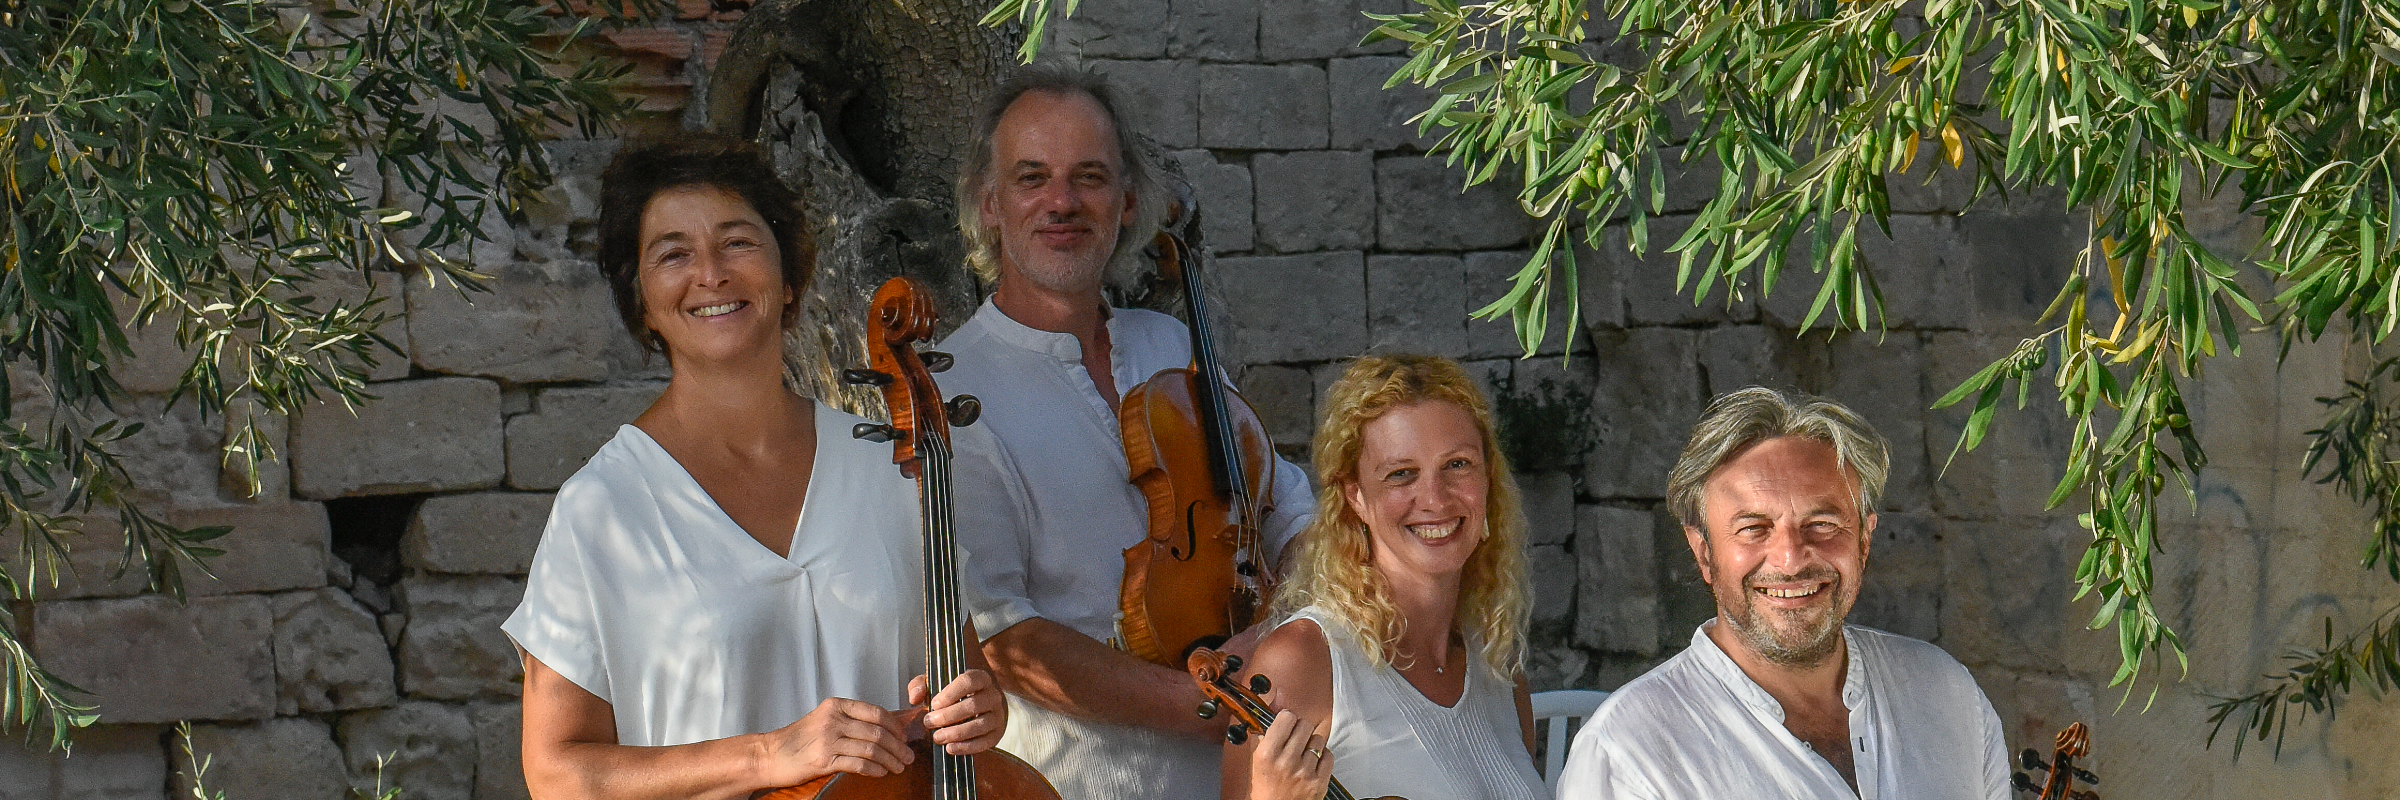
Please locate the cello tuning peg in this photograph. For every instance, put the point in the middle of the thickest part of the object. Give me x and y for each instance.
(1237, 734)
(873, 432)
(1233, 664)
(1208, 709)
(936, 361)
(865, 377)
(964, 409)
(1259, 684)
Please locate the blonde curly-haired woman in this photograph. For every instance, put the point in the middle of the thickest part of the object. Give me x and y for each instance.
(1397, 665)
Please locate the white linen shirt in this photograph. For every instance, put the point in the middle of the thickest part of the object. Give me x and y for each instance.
(1698, 727)
(647, 595)
(1046, 511)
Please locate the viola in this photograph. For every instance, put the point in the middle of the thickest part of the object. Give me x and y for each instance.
(1206, 470)
(2072, 743)
(1214, 671)
(903, 315)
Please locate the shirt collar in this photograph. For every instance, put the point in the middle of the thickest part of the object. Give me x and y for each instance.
(1009, 331)
(1723, 668)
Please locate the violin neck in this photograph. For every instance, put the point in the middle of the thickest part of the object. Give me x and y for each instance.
(1261, 717)
(1225, 454)
(945, 623)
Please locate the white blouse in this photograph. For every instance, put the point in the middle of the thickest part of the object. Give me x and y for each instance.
(1388, 739)
(645, 593)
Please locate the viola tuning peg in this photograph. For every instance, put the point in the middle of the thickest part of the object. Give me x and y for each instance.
(873, 432)
(1233, 664)
(2031, 759)
(964, 409)
(1208, 709)
(865, 377)
(936, 361)
(1237, 734)
(1260, 685)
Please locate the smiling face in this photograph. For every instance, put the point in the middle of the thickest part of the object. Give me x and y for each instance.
(711, 276)
(1421, 488)
(1057, 192)
(1783, 548)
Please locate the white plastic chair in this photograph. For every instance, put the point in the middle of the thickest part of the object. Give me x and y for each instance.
(1557, 715)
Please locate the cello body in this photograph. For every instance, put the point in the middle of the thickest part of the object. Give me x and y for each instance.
(1184, 584)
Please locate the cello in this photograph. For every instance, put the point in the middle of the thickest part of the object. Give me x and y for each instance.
(1206, 470)
(901, 316)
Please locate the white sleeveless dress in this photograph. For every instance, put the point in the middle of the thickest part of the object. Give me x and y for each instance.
(1387, 739)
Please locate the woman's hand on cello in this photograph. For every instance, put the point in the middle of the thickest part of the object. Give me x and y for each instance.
(840, 735)
(1288, 761)
(968, 716)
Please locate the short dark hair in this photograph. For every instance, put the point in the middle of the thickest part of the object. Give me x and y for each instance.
(974, 177)
(646, 168)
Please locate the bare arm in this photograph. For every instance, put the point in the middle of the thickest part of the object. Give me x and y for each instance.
(1286, 761)
(571, 750)
(1070, 673)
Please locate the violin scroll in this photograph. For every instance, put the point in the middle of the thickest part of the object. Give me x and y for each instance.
(2071, 744)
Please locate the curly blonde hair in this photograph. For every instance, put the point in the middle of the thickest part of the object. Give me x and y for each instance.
(1332, 568)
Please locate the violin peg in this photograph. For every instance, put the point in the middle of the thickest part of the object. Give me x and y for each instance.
(1237, 734)
(1233, 664)
(936, 361)
(865, 377)
(2086, 776)
(2032, 760)
(964, 409)
(873, 432)
(2023, 784)
(1208, 709)
(1259, 684)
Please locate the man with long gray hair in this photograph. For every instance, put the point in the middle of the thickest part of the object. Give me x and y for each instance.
(1053, 192)
(1777, 697)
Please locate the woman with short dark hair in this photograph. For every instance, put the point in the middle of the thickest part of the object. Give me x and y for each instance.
(728, 595)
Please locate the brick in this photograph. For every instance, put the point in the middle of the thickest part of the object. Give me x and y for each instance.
(1128, 29)
(1213, 30)
(566, 427)
(672, 44)
(1367, 116)
(1225, 197)
(453, 648)
(1317, 30)
(1420, 205)
(1644, 403)
(1161, 99)
(272, 547)
(148, 660)
(440, 434)
(1417, 303)
(1314, 200)
(1617, 587)
(1294, 308)
(429, 750)
(1262, 107)
(283, 757)
(531, 327)
(485, 532)
(329, 654)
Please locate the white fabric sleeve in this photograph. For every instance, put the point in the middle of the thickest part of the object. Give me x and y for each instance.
(558, 621)
(1295, 507)
(994, 511)
(1589, 775)
(1995, 750)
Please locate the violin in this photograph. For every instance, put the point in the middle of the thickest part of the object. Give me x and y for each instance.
(1206, 470)
(1214, 671)
(2072, 743)
(903, 315)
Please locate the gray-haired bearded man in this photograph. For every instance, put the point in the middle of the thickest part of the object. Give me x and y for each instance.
(1777, 697)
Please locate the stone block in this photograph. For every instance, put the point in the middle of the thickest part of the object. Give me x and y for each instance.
(1883, 379)
(1284, 398)
(1314, 31)
(90, 568)
(1421, 204)
(453, 648)
(1644, 402)
(1161, 99)
(272, 547)
(1262, 107)
(1617, 584)
(499, 762)
(1417, 304)
(1736, 357)
(1130, 29)
(1551, 571)
(1213, 30)
(486, 532)
(1902, 588)
(1225, 196)
(532, 326)
(1294, 308)
(1921, 269)
(1690, 184)
(1366, 116)
(1647, 281)
(385, 289)
(114, 762)
(1549, 504)
(173, 461)
(1490, 277)
(1556, 667)
(566, 427)
(427, 749)
(157, 363)
(2023, 453)
(2021, 254)
(27, 770)
(147, 659)
(441, 434)
(284, 757)
(240, 479)
(1314, 200)
(2005, 589)
(329, 654)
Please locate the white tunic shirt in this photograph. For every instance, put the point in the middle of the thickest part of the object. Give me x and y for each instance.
(645, 593)
(1388, 739)
(1046, 512)
(1698, 727)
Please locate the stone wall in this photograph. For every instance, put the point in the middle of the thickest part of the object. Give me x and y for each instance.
(355, 615)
